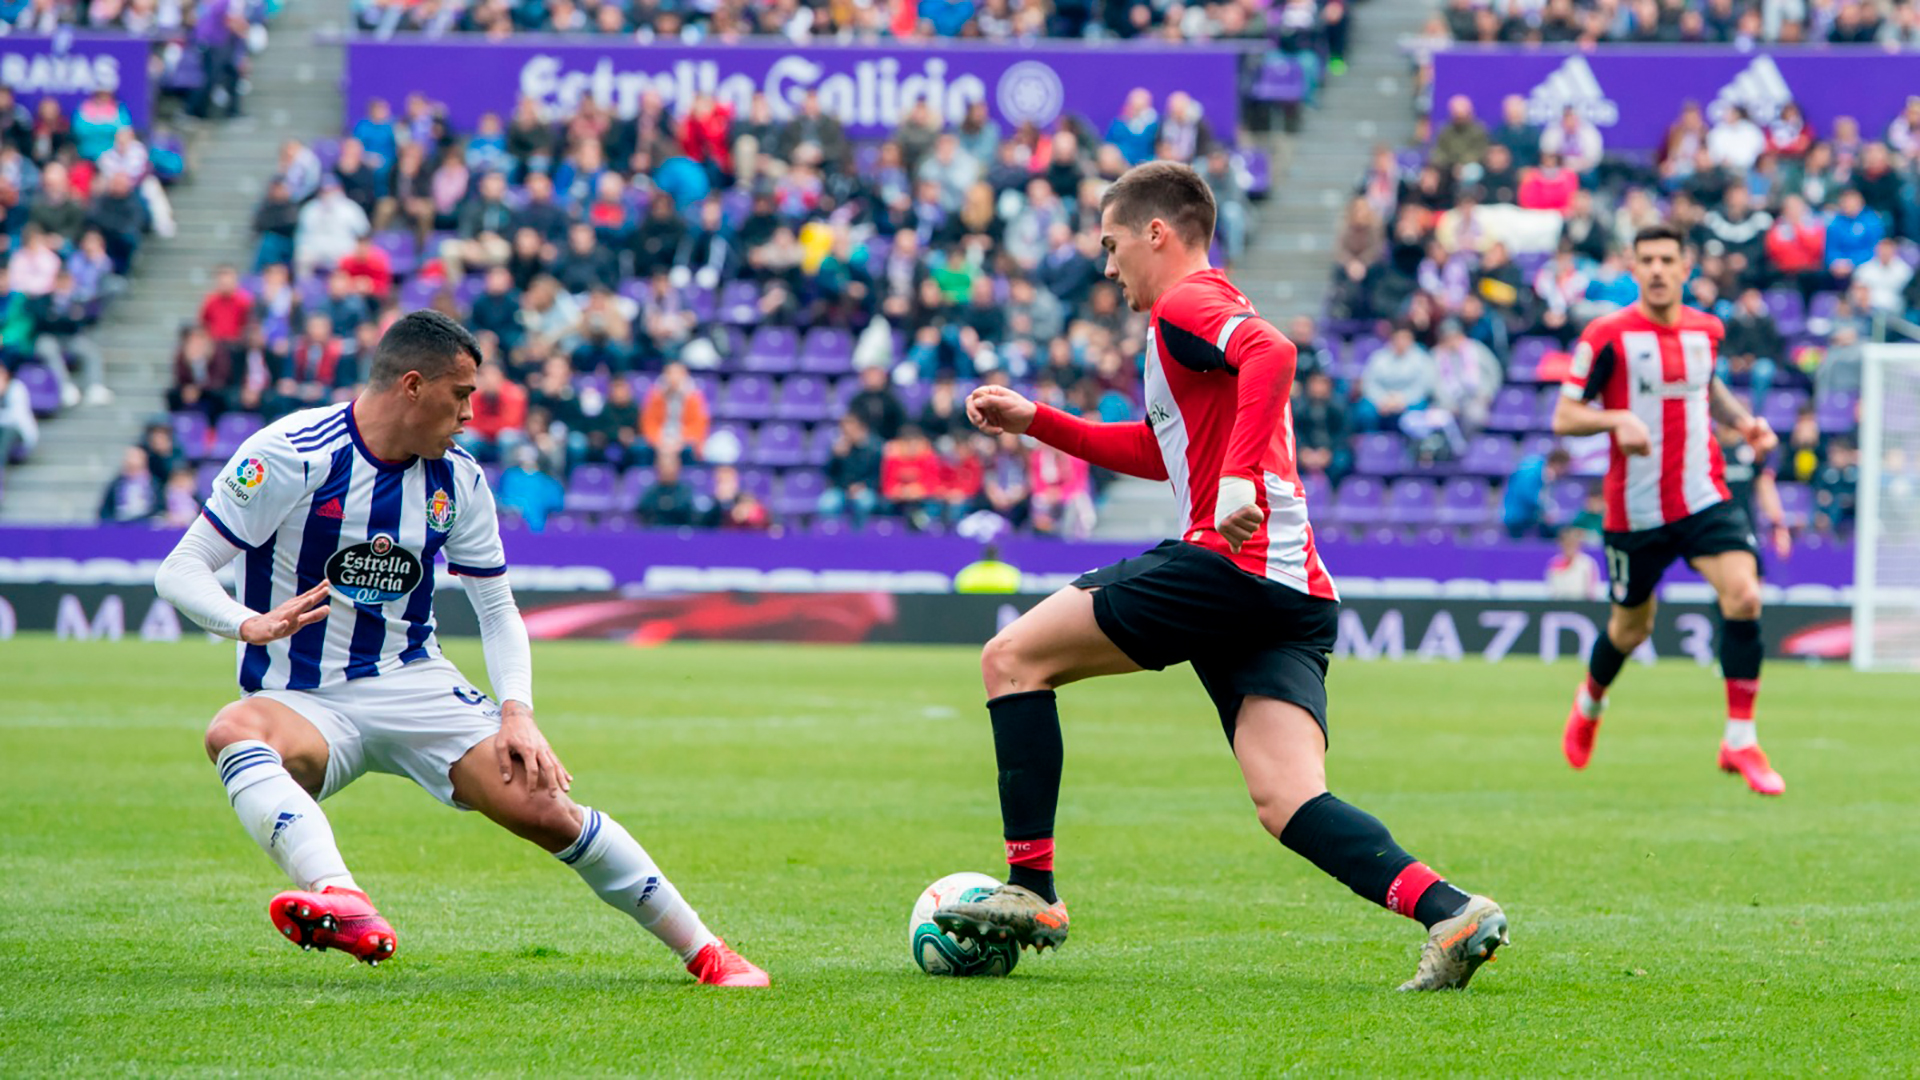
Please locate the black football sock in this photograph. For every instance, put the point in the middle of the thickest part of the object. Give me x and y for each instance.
(1604, 665)
(1352, 846)
(1027, 748)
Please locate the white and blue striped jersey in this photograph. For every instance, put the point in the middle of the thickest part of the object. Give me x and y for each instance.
(305, 499)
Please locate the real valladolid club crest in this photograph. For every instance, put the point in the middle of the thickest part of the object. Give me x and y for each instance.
(440, 511)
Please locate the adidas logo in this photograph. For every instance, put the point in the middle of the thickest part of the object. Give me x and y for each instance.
(1572, 85)
(331, 509)
(1759, 88)
(646, 891)
(280, 824)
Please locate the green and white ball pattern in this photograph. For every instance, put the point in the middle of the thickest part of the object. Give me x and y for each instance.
(940, 953)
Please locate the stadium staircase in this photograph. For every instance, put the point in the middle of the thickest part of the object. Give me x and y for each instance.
(1290, 243)
(294, 93)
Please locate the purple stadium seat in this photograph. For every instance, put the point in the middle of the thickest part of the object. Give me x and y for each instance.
(401, 250)
(827, 352)
(232, 430)
(866, 158)
(1259, 172)
(1362, 501)
(735, 205)
(914, 396)
(739, 303)
(1538, 443)
(1796, 503)
(205, 475)
(820, 443)
(1524, 364)
(1789, 311)
(592, 489)
(418, 292)
(312, 291)
(191, 434)
(43, 390)
(1529, 263)
(1544, 406)
(771, 349)
(1410, 502)
(780, 444)
(843, 393)
(745, 397)
(758, 483)
(1568, 495)
(1513, 409)
(735, 431)
(591, 381)
(634, 483)
(1381, 454)
(699, 478)
(638, 291)
(702, 304)
(328, 151)
(802, 397)
(492, 472)
(799, 494)
(1836, 414)
(1489, 455)
(709, 385)
(1824, 305)
(1782, 408)
(1360, 348)
(1318, 491)
(1463, 503)
(642, 384)
(468, 290)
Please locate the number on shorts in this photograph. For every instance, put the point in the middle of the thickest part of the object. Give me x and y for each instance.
(1617, 574)
(470, 697)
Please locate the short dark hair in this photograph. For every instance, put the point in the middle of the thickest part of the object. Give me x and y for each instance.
(425, 341)
(1559, 456)
(1659, 231)
(1167, 190)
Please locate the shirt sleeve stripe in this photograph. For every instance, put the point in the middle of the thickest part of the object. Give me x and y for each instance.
(1226, 331)
(221, 527)
(476, 571)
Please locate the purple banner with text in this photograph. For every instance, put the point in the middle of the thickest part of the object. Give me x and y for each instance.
(868, 88)
(1632, 94)
(67, 67)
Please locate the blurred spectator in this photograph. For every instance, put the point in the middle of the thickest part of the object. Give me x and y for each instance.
(1137, 127)
(1853, 232)
(369, 269)
(1320, 428)
(19, 430)
(878, 406)
(1735, 141)
(1004, 484)
(1574, 140)
(528, 491)
(1572, 574)
(34, 264)
(1753, 347)
(733, 507)
(1524, 509)
(910, 477)
(1834, 486)
(163, 456)
(1397, 377)
(1463, 140)
(1520, 137)
(220, 34)
(276, 219)
(675, 419)
(133, 494)
(499, 424)
(1548, 186)
(60, 322)
(201, 374)
(330, 228)
(1796, 246)
(121, 219)
(313, 371)
(180, 499)
(670, 501)
(225, 312)
(97, 121)
(1062, 501)
(1886, 276)
(852, 473)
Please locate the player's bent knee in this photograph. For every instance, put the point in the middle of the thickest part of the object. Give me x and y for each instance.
(541, 819)
(238, 722)
(1742, 601)
(1275, 809)
(1005, 668)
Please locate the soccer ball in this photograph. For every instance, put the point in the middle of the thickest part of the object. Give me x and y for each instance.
(940, 953)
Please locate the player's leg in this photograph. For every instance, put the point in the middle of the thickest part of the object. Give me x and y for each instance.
(1635, 564)
(1060, 641)
(1281, 749)
(1056, 643)
(274, 763)
(1735, 577)
(605, 855)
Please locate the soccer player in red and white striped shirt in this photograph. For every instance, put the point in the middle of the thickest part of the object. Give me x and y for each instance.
(1650, 369)
(1241, 594)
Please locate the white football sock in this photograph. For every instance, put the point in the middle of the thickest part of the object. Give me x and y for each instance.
(616, 867)
(281, 817)
(1741, 734)
(1589, 708)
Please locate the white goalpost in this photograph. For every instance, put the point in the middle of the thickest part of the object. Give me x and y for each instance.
(1886, 559)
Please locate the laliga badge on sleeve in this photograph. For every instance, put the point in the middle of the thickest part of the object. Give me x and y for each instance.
(245, 479)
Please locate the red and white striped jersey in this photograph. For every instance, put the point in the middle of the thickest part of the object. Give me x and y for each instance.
(1662, 374)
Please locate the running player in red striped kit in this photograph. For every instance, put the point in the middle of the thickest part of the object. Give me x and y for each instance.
(1649, 367)
(1241, 595)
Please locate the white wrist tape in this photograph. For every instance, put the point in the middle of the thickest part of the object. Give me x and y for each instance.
(1236, 493)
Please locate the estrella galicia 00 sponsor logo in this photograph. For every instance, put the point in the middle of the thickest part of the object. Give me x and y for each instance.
(375, 572)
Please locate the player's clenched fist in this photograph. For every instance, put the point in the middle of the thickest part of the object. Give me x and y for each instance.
(1236, 513)
(1759, 435)
(300, 612)
(1632, 436)
(996, 409)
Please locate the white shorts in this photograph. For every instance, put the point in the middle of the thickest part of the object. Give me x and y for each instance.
(415, 722)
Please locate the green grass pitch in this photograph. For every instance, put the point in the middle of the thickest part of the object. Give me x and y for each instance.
(1665, 920)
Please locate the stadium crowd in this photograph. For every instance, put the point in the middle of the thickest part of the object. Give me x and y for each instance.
(1707, 22)
(708, 318)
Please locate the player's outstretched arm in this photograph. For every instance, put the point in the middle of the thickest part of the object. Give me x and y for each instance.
(188, 579)
(1572, 416)
(1726, 409)
(1127, 447)
(509, 653)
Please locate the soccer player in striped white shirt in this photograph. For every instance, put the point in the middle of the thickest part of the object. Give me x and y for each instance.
(338, 515)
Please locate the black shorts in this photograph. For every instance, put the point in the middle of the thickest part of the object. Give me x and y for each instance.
(1636, 560)
(1244, 635)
